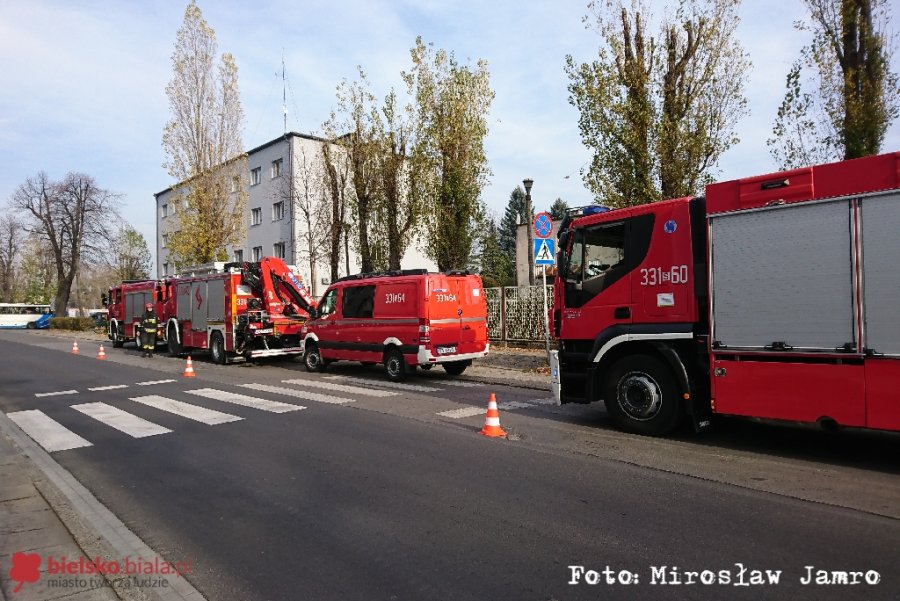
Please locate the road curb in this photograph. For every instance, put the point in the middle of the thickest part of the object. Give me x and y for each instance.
(95, 529)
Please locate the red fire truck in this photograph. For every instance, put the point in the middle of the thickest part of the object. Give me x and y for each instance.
(772, 297)
(126, 303)
(249, 309)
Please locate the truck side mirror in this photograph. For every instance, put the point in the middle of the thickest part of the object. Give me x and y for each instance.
(104, 300)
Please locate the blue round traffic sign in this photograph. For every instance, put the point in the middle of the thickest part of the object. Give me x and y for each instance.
(543, 225)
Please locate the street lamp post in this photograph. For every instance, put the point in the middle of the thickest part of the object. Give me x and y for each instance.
(528, 222)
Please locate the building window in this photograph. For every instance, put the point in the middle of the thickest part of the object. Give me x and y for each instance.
(256, 216)
(278, 211)
(235, 183)
(165, 240)
(239, 256)
(257, 253)
(255, 176)
(276, 168)
(278, 250)
(164, 211)
(165, 269)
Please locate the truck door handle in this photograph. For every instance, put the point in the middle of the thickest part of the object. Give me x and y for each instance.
(622, 313)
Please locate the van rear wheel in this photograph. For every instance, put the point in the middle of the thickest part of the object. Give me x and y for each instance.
(395, 365)
(455, 368)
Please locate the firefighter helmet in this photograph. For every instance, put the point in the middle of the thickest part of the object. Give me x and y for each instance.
(149, 306)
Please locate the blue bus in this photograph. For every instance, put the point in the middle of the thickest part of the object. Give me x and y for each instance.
(25, 316)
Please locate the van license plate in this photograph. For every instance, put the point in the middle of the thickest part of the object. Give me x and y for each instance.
(446, 350)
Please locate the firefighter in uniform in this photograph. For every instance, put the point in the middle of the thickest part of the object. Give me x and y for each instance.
(148, 331)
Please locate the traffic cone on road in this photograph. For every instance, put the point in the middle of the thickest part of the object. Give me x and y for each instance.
(492, 420)
(189, 369)
(101, 354)
(75, 348)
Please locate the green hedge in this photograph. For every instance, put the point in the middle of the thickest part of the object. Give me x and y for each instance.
(76, 324)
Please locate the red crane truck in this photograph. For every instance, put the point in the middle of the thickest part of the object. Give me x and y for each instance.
(248, 309)
(772, 297)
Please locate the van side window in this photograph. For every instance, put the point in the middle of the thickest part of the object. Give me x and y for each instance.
(326, 307)
(358, 301)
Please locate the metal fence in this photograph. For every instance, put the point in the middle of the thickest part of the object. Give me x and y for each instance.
(516, 313)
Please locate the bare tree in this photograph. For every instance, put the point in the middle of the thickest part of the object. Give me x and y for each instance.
(353, 127)
(204, 146)
(73, 217)
(11, 237)
(306, 194)
(337, 182)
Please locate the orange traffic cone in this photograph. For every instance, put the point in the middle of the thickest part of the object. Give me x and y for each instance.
(101, 354)
(492, 420)
(189, 369)
(75, 348)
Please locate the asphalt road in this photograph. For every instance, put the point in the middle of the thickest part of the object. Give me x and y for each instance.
(383, 497)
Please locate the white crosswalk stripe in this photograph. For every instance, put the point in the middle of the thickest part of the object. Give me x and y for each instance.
(122, 421)
(246, 401)
(47, 432)
(153, 382)
(385, 384)
(470, 411)
(199, 414)
(460, 383)
(58, 393)
(341, 388)
(300, 394)
(463, 412)
(113, 387)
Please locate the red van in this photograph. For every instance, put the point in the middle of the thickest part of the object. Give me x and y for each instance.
(401, 319)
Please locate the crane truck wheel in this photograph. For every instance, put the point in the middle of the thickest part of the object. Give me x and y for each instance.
(175, 349)
(641, 396)
(395, 365)
(217, 349)
(313, 359)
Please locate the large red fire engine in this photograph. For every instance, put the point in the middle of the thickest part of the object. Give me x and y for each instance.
(249, 309)
(773, 297)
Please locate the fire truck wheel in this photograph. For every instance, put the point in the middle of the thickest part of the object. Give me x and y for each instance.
(313, 359)
(116, 335)
(175, 349)
(641, 396)
(455, 368)
(395, 365)
(217, 349)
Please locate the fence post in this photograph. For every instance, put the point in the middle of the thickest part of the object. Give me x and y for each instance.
(503, 314)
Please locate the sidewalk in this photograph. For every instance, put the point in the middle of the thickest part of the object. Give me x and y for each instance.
(29, 525)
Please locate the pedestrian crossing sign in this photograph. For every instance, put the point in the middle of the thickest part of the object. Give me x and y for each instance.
(544, 252)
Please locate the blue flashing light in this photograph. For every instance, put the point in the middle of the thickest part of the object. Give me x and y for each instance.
(593, 210)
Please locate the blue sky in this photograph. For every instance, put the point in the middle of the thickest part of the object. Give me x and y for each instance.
(84, 82)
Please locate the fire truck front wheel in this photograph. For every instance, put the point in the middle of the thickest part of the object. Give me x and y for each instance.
(116, 334)
(175, 349)
(641, 396)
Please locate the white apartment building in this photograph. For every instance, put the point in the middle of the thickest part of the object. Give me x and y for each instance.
(275, 226)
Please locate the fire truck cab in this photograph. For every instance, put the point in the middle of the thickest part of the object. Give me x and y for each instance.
(773, 297)
(400, 319)
(126, 303)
